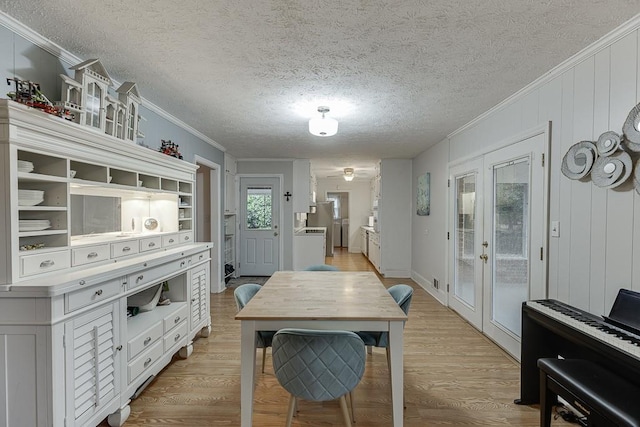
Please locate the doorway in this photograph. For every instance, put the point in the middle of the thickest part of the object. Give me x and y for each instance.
(340, 201)
(208, 215)
(498, 241)
(260, 226)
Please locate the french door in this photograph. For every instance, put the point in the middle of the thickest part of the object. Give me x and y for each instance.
(260, 226)
(498, 206)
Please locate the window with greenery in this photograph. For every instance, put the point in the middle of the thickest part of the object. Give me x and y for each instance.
(259, 208)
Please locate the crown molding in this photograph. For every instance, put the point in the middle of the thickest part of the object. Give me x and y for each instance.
(604, 42)
(67, 57)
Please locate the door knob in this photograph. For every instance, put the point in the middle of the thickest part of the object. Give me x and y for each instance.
(484, 257)
(275, 234)
(485, 243)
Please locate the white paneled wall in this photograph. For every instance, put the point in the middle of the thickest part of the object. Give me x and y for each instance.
(598, 251)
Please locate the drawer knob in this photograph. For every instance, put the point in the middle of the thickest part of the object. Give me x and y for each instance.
(81, 282)
(99, 292)
(146, 362)
(176, 338)
(139, 278)
(201, 256)
(92, 255)
(182, 264)
(126, 249)
(151, 244)
(171, 240)
(186, 237)
(147, 341)
(177, 319)
(48, 263)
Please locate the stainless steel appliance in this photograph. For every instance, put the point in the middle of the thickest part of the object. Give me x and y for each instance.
(323, 217)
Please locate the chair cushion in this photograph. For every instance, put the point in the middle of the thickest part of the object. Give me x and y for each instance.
(321, 366)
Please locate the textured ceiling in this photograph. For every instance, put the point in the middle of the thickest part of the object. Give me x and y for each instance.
(398, 75)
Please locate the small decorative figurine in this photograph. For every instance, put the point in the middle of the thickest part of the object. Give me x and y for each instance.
(29, 93)
(170, 149)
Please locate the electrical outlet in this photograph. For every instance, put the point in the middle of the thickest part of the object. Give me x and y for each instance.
(555, 228)
(436, 284)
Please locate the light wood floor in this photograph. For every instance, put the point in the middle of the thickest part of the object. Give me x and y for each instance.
(453, 376)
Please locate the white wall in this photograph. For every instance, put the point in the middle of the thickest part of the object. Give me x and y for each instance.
(429, 248)
(359, 203)
(599, 229)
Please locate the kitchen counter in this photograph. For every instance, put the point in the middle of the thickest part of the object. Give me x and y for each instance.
(311, 231)
(367, 228)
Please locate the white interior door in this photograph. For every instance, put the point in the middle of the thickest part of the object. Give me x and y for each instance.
(260, 228)
(498, 206)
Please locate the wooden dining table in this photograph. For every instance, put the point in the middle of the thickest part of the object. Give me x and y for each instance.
(352, 301)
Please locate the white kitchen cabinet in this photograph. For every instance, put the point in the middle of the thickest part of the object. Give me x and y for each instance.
(364, 241)
(302, 190)
(70, 353)
(308, 249)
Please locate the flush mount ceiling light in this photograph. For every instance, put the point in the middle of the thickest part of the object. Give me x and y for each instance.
(349, 174)
(323, 126)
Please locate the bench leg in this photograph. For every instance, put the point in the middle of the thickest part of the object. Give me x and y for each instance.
(547, 400)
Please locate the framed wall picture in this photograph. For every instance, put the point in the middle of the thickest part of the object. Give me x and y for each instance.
(423, 198)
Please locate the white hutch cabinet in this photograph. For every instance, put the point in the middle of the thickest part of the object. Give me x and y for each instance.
(89, 223)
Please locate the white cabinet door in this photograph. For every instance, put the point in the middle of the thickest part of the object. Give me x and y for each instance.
(92, 360)
(200, 297)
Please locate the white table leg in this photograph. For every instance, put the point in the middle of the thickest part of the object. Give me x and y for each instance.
(397, 374)
(247, 370)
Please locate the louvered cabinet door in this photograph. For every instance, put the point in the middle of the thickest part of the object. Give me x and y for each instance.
(92, 362)
(199, 297)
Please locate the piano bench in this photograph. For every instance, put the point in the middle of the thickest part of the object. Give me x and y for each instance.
(603, 397)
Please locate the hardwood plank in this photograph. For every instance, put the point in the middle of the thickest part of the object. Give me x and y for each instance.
(454, 375)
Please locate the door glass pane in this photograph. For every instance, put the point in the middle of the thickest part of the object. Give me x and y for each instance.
(259, 208)
(511, 242)
(464, 287)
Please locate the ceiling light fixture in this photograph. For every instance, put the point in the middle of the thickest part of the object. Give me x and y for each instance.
(323, 126)
(349, 174)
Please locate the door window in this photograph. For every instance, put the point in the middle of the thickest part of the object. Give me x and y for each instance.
(259, 208)
(465, 238)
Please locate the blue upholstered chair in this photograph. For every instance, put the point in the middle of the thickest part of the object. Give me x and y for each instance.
(318, 365)
(322, 267)
(402, 295)
(243, 294)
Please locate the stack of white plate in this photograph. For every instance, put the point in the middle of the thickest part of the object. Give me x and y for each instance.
(33, 224)
(25, 166)
(30, 197)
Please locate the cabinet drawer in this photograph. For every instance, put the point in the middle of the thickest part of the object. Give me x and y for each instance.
(186, 237)
(119, 249)
(44, 263)
(174, 319)
(170, 240)
(144, 340)
(152, 274)
(89, 254)
(199, 257)
(175, 336)
(83, 297)
(144, 361)
(150, 243)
